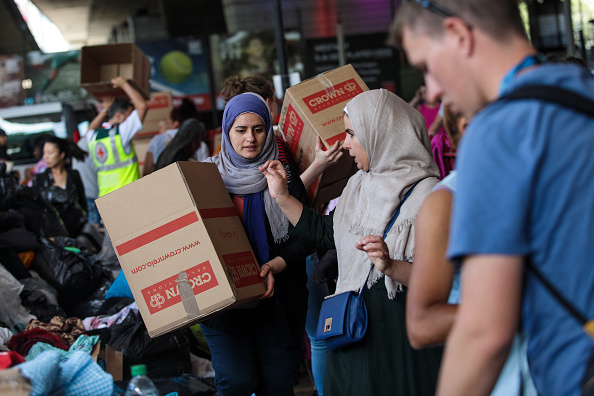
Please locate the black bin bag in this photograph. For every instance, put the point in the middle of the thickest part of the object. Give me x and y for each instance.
(72, 270)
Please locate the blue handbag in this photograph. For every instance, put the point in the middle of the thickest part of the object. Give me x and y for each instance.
(343, 317)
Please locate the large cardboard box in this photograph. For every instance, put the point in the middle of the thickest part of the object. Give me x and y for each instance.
(315, 107)
(101, 63)
(175, 224)
(159, 110)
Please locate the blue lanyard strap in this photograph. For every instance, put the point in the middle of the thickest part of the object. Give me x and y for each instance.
(528, 61)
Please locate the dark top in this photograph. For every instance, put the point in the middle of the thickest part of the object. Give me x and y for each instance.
(70, 202)
(4, 153)
(181, 155)
(316, 228)
(288, 306)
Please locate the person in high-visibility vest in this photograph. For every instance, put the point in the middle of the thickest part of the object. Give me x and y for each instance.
(110, 144)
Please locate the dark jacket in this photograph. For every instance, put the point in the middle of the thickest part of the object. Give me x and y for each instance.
(288, 306)
(70, 202)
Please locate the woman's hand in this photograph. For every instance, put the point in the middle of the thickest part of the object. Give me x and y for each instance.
(268, 276)
(276, 177)
(377, 251)
(379, 254)
(118, 82)
(267, 272)
(325, 159)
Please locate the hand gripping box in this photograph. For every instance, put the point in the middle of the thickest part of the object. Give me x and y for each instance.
(315, 107)
(101, 63)
(181, 245)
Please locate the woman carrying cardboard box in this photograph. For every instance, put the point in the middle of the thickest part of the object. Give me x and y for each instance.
(257, 348)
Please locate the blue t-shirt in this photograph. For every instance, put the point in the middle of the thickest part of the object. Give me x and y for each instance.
(525, 187)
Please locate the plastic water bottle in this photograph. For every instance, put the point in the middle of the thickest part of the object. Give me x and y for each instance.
(140, 384)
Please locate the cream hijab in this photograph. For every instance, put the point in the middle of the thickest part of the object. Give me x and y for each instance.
(395, 138)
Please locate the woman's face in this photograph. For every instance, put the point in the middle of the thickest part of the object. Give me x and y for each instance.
(255, 47)
(352, 144)
(248, 135)
(52, 155)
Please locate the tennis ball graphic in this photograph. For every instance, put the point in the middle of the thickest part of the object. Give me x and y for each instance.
(176, 67)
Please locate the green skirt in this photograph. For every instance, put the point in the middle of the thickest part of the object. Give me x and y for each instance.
(383, 363)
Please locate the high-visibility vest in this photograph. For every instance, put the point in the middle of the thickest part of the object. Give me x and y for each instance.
(116, 167)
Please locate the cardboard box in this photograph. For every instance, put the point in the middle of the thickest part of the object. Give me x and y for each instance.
(101, 63)
(315, 107)
(180, 221)
(159, 110)
(141, 146)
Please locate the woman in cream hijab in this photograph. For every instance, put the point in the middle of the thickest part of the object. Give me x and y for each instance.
(389, 143)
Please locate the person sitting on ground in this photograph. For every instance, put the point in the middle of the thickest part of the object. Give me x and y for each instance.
(111, 144)
(4, 146)
(61, 185)
(182, 147)
(389, 142)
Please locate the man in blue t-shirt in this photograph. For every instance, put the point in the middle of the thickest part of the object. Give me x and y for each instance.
(525, 190)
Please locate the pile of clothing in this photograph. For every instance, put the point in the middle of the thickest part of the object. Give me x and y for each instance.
(61, 307)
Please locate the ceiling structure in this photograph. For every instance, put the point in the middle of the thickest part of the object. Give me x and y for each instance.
(93, 22)
(16, 37)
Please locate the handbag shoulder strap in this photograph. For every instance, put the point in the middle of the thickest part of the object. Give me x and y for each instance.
(388, 228)
(549, 93)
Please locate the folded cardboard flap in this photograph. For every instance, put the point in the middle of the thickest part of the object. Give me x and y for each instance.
(114, 363)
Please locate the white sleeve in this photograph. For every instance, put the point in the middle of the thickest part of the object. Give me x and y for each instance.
(154, 143)
(89, 136)
(129, 127)
(202, 153)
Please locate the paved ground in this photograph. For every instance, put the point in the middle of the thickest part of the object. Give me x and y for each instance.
(304, 385)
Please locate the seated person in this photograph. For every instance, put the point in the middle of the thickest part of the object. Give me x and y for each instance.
(61, 185)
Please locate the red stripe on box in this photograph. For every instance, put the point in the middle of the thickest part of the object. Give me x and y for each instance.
(334, 139)
(165, 293)
(244, 269)
(218, 212)
(157, 233)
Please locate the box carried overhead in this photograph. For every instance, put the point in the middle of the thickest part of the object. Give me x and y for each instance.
(181, 245)
(101, 63)
(313, 108)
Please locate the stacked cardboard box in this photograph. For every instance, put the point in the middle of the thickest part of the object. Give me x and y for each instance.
(313, 108)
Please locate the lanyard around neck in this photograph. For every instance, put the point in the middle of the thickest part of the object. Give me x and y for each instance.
(528, 61)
